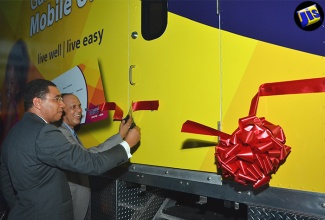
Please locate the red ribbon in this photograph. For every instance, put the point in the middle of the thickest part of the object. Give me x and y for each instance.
(256, 149)
(314, 85)
(145, 105)
(96, 113)
(100, 112)
(253, 152)
(107, 106)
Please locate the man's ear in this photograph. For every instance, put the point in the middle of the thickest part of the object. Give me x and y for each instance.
(37, 103)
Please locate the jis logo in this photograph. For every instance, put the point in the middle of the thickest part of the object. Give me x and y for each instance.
(309, 16)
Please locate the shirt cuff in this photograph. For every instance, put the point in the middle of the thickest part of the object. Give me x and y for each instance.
(127, 148)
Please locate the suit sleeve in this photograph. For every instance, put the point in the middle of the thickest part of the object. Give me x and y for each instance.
(7, 187)
(108, 144)
(54, 149)
(70, 137)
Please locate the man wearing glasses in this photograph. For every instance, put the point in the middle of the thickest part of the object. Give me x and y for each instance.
(35, 154)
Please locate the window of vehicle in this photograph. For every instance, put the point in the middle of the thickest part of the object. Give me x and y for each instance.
(153, 18)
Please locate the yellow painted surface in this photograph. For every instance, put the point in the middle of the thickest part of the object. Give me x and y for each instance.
(301, 116)
(181, 70)
(196, 72)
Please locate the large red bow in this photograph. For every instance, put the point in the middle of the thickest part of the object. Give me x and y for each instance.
(253, 152)
(256, 149)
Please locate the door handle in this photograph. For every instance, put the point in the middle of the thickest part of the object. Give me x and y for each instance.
(130, 75)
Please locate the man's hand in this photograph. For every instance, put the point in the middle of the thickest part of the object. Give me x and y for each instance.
(133, 136)
(125, 126)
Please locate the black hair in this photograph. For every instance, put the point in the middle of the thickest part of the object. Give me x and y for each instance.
(36, 88)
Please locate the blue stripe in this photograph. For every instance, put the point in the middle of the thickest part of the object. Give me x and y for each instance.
(269, 21)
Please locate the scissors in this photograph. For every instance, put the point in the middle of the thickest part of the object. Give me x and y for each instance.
(128, 116)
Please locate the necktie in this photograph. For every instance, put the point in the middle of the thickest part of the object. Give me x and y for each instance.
(76, 136)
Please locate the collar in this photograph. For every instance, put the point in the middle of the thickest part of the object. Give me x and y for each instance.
(68, 127)
(41, 118)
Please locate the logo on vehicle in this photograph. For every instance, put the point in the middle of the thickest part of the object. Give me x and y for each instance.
(309, 16)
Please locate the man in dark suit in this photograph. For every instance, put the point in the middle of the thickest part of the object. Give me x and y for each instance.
(79, 183)
(35, 153)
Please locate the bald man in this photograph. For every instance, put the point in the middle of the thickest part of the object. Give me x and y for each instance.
(79, 184)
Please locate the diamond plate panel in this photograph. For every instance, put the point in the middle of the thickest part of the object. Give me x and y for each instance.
(266, 213)
(119, 200)
(103, 198)
(135, 202)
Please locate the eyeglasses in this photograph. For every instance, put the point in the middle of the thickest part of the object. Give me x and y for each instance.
(57, 99)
